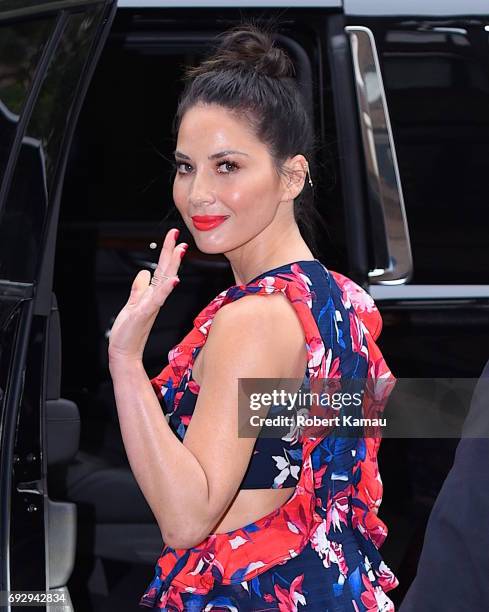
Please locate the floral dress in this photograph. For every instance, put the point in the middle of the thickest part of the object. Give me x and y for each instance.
(319, 550)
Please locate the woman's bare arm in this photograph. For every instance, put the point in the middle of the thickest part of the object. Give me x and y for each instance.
(189, 485)
(169, 475)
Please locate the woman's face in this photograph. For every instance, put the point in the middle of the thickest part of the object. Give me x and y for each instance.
(226, 187)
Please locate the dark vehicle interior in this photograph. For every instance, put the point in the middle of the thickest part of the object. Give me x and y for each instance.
(117, 199)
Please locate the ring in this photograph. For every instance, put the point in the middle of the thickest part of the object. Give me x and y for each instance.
(156, 278)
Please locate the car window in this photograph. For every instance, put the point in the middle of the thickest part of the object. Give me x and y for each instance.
(25, 210)
(21, 46)
(437, 89)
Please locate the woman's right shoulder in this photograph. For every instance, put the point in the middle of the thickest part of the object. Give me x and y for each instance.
(249, 312)
(261, 311)
(256, 322)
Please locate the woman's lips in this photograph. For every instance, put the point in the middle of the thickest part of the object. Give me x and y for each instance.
(207, 222)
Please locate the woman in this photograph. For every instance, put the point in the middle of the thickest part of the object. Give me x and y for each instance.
(274, 523)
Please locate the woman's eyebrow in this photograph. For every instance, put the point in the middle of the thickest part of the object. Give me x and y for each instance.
(214, 155)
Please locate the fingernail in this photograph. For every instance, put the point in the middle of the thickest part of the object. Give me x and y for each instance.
(177, 234)
(175, 282)
(182, 253)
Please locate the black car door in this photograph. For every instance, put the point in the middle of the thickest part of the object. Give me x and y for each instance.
(47, 54)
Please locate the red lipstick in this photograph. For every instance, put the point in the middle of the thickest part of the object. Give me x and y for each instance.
(207, 222)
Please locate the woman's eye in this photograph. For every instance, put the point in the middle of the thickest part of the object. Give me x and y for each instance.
(177, 165)
(229, 164)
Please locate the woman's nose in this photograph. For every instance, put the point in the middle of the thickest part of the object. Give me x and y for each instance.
(201, 188)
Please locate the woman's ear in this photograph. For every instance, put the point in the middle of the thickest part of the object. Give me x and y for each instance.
(295, 172)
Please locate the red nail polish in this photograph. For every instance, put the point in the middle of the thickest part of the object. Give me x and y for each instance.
(175, 282)
(177, 234)
(182, 253)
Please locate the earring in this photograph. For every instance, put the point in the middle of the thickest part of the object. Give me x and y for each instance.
(309, 174)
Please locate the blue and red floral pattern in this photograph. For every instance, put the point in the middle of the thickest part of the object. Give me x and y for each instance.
(319, 550)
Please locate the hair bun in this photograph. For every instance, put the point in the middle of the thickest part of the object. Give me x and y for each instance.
(247, 47)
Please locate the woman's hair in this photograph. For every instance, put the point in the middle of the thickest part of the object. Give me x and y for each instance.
(251, 77)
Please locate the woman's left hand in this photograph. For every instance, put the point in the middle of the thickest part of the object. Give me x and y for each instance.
(133, 324)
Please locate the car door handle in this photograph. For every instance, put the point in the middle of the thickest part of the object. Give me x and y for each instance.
(32, 486)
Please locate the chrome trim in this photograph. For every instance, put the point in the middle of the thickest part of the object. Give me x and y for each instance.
(428, 292)
(226, 4)
(447, 30)
(392, 247)
(415, 9)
